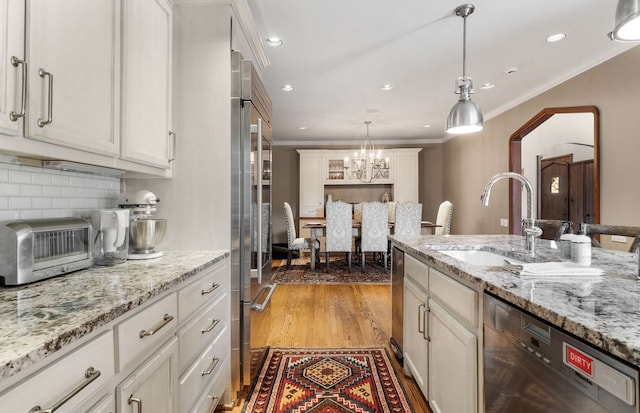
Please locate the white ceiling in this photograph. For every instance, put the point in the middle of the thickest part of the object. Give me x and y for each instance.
(337, 54)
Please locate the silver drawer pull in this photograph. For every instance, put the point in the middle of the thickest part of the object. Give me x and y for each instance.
(210, 290)
(214, 363)
(165, 320)
(172, 135)
(41, 123)
(13, 116)
(90, 375)
(137, 401)
(211, 327)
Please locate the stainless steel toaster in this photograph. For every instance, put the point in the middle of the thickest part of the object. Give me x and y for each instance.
(36, 249)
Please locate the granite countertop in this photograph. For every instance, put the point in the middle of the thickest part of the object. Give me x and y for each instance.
(40, 318)
(605, 313)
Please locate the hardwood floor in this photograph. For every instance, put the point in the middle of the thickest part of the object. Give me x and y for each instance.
(332, 316)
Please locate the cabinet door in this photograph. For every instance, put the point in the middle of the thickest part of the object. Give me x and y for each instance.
(153, 385)
(146, 82)
(311, 186)
(106, 405)
(405, 176)
(77, 43)
(415, 336)
(11, 72)
(453, 364)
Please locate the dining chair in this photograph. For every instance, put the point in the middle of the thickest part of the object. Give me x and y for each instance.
(338, 233)
(294, 243)
(443, 219)
(375, 228)
(408, 219)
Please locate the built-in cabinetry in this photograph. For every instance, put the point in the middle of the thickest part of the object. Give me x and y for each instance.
(91, 84)
(441, 330)
(327, 167)
(170, 355)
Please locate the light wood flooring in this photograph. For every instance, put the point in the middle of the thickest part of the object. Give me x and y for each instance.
(325, 315)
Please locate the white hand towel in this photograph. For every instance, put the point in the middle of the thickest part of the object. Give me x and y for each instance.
(552, 269)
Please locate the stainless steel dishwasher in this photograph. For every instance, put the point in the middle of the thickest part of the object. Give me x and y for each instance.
(531, 366)
(397, 292)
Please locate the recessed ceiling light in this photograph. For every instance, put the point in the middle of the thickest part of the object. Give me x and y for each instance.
(427, 126)
(487, 85)
(302, 128)
(386, 87)
(555, 37)
(274, 41)
(287, 88)
(511, 70)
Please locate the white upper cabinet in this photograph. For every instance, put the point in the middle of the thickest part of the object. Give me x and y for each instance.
(73, 49)
(12, 73)
(146, 82)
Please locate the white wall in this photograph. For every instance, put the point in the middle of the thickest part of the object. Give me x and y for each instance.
(31, 192)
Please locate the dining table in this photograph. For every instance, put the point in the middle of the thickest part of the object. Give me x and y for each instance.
(317, 230)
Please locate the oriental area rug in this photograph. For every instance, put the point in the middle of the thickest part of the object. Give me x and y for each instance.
(338, 272)
(327, 381)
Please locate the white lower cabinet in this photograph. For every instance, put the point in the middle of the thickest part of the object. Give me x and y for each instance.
(153, 385)
(453, 364)
(441, 335)
(415, 337)
(106, 405)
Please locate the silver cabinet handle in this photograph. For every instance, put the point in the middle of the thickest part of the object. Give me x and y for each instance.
(211, 326)
(15, 62)
(425, 326)
(421, 313)
(212, 367)
(172, 156)
(42, 73)
(165, 320)
(270, 288)
(210, 290)
(137, 401)
(89, 376)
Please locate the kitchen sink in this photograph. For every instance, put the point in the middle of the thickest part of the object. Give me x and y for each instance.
(479, 258)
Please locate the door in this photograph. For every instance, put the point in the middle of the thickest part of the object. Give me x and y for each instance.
(73, 52)
(146, 82)
(12, 71)
(415, 345)
(553, 189)
(154, 384)
(453, 364)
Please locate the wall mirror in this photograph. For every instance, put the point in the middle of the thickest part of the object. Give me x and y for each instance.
(558, 151)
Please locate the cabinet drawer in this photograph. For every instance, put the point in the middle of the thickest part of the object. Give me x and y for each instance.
(212, 282)
(106, 405)
(459, 299)
(418, 271)
(199, 374)
(146, 328)
(202, 329)
(49, 386)
(210, 398)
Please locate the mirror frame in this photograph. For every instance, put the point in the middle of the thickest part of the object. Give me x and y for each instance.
(515, 161)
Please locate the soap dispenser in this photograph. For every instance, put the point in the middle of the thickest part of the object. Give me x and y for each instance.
(581, 248)
(565, 239)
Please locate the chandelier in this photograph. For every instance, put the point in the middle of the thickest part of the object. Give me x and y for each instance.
(368, 165)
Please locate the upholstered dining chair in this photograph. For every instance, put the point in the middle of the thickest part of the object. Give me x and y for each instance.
(375, 228)
(294, 243)
(445, 212)
(408, 219)
(338, 233)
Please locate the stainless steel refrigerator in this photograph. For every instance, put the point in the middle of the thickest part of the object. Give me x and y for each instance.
(251, 285)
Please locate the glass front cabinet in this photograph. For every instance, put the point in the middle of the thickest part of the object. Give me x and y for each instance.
(344, 167)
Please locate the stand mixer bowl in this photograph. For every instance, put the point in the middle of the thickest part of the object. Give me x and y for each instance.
(145, 234)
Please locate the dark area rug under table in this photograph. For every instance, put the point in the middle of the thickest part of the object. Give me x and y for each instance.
(338, 272)
(327, 381)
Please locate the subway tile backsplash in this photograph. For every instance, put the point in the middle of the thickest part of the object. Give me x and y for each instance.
(29, 192)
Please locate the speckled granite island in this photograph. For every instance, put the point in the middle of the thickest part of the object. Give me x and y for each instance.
(605, 314)
(42, 319)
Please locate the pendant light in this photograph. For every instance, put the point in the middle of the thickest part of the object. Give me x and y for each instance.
(627, 21)
(368, 165)
(465, 116)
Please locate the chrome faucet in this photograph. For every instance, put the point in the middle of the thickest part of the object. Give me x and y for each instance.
(531, 231)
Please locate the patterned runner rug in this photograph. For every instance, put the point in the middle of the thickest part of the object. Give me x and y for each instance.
(327, 381)
(338, 273)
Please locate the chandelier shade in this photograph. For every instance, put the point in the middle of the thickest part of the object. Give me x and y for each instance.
(465, 116)
(627, 27)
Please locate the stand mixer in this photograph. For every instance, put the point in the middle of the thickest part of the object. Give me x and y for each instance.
(145, 232)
